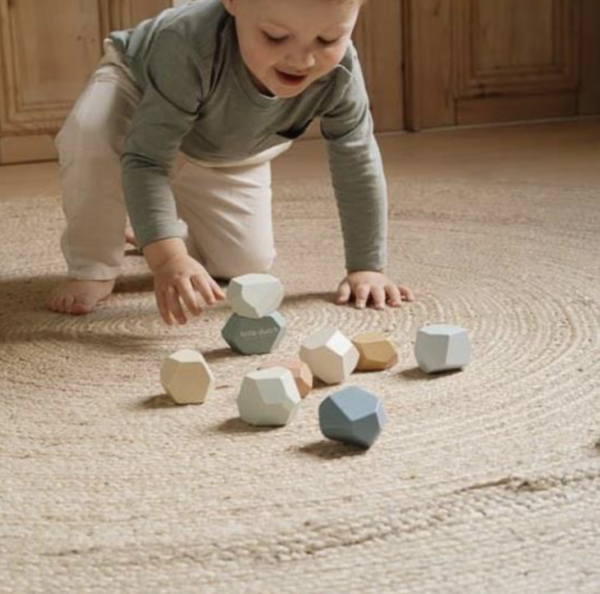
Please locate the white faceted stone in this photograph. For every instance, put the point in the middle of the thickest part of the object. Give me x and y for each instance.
(440, 347)
(254, 295)
(269, 397)
(330, 355)
(186, 377)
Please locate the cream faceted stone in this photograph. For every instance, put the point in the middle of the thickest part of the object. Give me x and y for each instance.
(268, 397)
(441, 347)
(300, 370)
(377, 352)
(186, 377)
(254, 295)
(330, 355)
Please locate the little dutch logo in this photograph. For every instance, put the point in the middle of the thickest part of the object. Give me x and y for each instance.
(258, 333)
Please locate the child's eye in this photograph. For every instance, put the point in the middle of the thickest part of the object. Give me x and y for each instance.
(274, 39)
(327, 41)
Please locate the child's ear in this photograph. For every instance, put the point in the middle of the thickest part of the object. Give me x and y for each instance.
(229, 6)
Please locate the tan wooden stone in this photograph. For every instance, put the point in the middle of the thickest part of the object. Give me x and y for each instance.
(377, 351)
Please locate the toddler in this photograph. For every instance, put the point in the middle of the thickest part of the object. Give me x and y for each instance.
(177, 128)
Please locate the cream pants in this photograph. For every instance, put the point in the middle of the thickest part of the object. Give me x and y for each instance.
(226, 208)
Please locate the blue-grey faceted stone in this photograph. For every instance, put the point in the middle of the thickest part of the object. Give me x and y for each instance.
(352, 415)
(252, 336)
(441, 347)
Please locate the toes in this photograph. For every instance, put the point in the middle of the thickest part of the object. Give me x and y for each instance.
(53, 303)
(79, 306)
(66, 302)
(79, 309)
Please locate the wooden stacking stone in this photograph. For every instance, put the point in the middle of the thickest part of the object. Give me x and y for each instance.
(352, 415)
(268, 397)
(440, 347)
(330, 355)
(186, 377)
(254, 295)
(377, 351)
(300, 371)
(252, 336)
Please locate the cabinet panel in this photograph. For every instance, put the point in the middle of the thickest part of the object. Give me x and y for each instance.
(484, 61)
(378, 39)
(514, 47)
(48, 49)
(44, 68)
(589, 92)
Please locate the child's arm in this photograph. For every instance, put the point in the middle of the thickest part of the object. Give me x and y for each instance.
(177, 276)
(361, 192)
(172, 96)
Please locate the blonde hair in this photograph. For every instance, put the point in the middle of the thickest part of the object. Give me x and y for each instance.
(361, 2)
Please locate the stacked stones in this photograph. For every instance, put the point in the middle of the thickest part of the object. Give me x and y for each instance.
(272, 394)
(255, 327)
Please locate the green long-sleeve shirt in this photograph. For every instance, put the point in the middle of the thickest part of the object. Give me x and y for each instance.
(198, 97)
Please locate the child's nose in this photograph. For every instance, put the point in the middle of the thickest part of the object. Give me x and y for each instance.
(301, 61)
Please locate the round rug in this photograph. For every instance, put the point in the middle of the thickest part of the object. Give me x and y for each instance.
(482, 480)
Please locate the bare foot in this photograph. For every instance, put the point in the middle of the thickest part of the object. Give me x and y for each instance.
(77, 297)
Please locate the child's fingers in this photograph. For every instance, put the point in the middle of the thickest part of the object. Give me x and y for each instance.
(394, 296)
(378, 294)
(189, 297)
(344, 292)
(203, 286)
(407, 293)
(174, 305)
(362, 294)
(217, 291)
(163, 308)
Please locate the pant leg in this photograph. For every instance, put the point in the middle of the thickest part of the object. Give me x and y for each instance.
(228, 214)
(89, 145)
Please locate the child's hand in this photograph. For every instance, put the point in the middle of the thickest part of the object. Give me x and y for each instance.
(365, 284)
(183, 279)
(178, 277)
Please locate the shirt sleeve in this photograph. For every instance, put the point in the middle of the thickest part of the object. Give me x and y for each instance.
(357, 175)
(166, 113)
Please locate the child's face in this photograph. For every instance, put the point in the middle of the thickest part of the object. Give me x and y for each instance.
(288, 44)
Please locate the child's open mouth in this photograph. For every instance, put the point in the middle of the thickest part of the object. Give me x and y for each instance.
(290, 79)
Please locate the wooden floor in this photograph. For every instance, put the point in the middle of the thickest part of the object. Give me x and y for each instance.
(561, 153)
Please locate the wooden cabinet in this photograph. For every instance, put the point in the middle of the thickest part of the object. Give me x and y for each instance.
(379, 41)
(483, 61)
(427, 63)
(48, 49)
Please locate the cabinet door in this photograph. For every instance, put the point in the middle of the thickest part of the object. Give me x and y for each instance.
(481, 61)
(378, 39)
(48, 49)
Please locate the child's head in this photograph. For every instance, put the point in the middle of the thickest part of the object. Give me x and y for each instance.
(288, 44)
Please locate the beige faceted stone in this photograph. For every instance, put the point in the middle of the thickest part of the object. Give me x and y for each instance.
(377, 351)
(268, 397)
(186, 377)
(254, 295)
(330, 355)
(442, 347)
(300, 371)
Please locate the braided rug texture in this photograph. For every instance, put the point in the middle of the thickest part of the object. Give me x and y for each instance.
(486, 480)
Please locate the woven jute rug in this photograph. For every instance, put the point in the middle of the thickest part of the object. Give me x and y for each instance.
(485, 480)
